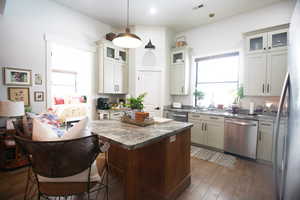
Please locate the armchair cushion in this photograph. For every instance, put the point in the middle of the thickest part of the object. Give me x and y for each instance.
(43, 132)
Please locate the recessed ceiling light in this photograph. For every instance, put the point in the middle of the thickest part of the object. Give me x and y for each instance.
(152, 11)
(211, 15)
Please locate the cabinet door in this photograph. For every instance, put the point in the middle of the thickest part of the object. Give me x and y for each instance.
(255, 74)
(120, 78)
(265, 141)
(256, 43)
(108, 76)
(276, 71)
(214, 134)
(197, 135)
(122, 56)
(110, 52)
(278, 40)
(177, 57)
(177, 80)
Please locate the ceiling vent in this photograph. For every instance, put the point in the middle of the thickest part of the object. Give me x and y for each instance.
(198, 6)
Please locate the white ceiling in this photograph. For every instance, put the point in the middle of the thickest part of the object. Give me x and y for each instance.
(176, 14)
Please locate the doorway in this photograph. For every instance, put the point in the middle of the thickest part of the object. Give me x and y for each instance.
(150, 81)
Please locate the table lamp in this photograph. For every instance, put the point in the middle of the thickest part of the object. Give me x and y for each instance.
(11, 109)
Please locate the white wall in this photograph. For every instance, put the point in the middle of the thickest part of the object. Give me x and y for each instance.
(162, 38)
(226, 35)
(22, 30)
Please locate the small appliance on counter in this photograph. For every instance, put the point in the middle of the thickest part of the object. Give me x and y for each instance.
(251, 108)
(177, 105)
(102, 103)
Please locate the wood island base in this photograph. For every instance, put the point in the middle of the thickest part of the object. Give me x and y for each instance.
(159, 170)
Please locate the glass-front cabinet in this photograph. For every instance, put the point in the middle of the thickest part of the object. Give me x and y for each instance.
(115, 53)
(110, 52)
(268, 41)
(278, 40)
(257, 43)
(177, 57)
(122, 56)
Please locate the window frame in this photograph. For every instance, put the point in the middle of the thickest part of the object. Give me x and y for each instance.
(224, 55)
(64, 72)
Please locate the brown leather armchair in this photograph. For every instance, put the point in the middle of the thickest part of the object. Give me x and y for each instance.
(57, 159)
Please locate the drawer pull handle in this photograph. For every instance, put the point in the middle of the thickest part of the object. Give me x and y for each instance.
(263, 124)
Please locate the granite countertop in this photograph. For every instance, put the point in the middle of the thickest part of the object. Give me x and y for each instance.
(222, 113)
(131, 136)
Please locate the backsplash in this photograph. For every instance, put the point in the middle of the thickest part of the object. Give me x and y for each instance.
(245, 102)
(259, 101)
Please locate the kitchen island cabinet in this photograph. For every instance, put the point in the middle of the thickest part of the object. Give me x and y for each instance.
(153, 161)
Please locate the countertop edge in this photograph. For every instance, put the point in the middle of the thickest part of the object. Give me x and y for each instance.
(148, 142)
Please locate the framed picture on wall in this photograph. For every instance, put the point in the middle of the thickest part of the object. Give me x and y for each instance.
(39, 96)
(15, 76)
(38, 79)
(19, 94)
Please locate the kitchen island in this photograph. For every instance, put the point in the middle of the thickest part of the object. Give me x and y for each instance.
(153, 161)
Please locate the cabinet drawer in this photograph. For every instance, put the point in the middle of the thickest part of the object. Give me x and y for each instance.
(194, 116)
(115, 115)
(212, 118)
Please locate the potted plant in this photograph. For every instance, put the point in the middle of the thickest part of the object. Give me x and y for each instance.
(136, 105)
(238, 96)
(199, 95)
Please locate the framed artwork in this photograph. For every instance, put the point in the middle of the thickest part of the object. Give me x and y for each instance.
(15, 76)
(38, 80)
(39, 96)
(19, 94)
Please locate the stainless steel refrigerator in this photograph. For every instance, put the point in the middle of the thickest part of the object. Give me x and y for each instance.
(286, 156)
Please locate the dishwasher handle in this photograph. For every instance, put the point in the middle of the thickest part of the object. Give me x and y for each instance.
(240, 123)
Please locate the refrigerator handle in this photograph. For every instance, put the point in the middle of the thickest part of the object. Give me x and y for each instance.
(276, 135)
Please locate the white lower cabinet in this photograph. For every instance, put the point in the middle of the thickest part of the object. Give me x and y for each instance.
(265, 140)
(207, 130)
(197, 133)
(215, 134)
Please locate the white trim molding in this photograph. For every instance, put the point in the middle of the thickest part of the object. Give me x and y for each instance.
(73, 42)
(150, 68)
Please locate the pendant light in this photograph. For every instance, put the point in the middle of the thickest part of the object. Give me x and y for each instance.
(149, 45)
(127, 39)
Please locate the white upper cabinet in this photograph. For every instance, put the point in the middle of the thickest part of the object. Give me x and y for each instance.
(179, 71)
(278, 40)
(113, 69)
(255, 74)
(269, 41)
(257, 43)
(276, 70)
(178, 57)
(265, 63)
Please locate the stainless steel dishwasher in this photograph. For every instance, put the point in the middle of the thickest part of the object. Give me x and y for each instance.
(241, 137)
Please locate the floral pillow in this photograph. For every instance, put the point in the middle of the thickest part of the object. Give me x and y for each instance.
(51, 121)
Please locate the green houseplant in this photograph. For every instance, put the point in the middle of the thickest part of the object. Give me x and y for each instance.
(239, 94)
(136, 103)
(199, 95)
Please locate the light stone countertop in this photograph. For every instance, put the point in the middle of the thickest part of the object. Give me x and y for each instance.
(133, 137)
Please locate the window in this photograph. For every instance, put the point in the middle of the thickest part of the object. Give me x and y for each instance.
(217, 78)
(63, 82)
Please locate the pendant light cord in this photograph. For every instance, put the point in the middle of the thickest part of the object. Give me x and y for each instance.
(127, 13)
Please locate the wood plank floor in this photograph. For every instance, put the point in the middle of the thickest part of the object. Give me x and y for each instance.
(247, 181)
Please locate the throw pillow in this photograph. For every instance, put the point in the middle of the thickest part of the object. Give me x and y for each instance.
(44, 132)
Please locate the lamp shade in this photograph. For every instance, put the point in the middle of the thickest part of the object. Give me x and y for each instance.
(127, 40)
(11, 108)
